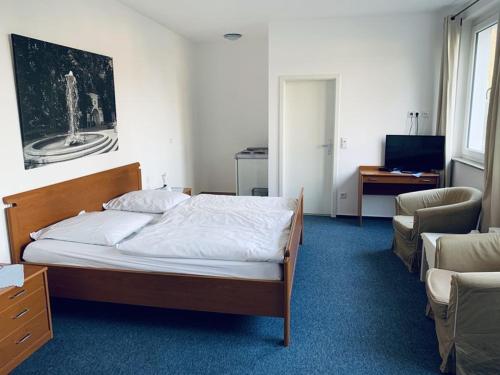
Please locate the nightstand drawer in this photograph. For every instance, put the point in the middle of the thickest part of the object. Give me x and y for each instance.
(23, 339)
(22, 311)
(16, 294)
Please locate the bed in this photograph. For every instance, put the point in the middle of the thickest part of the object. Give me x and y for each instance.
(237, 290)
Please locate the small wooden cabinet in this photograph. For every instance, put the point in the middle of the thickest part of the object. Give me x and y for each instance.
(25, 320)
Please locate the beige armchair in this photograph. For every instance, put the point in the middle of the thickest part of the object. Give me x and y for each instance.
(448, 210)
(464, 295)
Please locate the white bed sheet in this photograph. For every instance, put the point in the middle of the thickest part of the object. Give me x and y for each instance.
(95, 256)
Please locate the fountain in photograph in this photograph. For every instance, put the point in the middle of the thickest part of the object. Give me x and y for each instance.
(74, 144)
(74, 137)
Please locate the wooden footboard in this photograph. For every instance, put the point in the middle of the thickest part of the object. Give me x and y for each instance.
(291, 253)
(32, 210)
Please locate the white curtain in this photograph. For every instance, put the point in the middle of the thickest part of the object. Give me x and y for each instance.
(491, 196)
(447, 89)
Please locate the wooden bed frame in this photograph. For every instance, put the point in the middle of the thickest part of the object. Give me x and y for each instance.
(35, 209)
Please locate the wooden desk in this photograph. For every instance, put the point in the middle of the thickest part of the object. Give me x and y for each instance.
(372, 181)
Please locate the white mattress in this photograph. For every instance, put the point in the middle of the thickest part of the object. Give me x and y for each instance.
(94, 256)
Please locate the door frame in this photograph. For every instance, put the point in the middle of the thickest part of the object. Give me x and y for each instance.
(283, 80)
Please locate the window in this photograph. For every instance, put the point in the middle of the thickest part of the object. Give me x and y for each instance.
(481, 74)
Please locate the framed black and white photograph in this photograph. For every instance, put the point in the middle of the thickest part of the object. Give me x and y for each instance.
(66, 101)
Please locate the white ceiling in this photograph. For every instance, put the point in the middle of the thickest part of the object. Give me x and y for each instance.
(204, 20)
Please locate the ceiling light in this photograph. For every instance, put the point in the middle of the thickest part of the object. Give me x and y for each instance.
(232, 36)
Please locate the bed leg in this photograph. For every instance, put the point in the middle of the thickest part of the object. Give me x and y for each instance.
(286, 320)
(286, 336)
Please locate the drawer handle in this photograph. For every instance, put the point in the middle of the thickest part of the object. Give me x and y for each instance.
(25, 338)
(18, 294)
(372, 179)
(24, 312)
(426, 180)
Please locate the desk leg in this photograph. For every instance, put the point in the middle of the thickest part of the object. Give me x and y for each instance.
(360, 200)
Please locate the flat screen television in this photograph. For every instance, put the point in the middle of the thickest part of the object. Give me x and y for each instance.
(415, 153)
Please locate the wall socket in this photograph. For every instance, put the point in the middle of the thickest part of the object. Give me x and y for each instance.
(343, 195)
(421, 114)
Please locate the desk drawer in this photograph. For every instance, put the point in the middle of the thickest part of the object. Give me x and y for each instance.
(409, 180)
(22, 312)
(14, 295)
(23, 339)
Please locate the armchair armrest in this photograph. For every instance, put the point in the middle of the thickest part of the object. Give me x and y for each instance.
(474, 321)
(469, 253)
(452, 218)
(408, 203)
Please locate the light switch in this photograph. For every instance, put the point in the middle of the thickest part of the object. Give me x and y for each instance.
(343, 142)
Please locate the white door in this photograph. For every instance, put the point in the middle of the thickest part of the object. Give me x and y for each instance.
(308, 120)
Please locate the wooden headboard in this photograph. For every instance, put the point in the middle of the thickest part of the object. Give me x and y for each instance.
(38, 208)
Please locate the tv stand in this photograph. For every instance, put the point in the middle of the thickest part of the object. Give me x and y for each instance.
(374, 181)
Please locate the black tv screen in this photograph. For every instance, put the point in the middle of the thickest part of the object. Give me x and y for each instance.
(416, 153)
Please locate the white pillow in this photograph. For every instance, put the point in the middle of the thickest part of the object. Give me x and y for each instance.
(151, 201)
(97, 228)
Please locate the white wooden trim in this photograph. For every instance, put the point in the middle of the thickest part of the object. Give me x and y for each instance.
(477, 26)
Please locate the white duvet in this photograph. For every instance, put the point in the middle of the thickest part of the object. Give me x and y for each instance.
(218, 227)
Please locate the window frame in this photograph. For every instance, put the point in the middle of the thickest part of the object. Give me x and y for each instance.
(477, 26)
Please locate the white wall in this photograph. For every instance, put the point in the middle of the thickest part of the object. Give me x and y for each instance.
(387, 66)
(467, 175)
(152, 68)
(231, 107)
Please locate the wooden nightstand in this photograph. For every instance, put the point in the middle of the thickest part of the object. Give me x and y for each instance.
(187, 190)
(25, 321)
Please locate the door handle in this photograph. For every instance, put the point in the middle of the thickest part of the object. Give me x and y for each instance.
(328, 146)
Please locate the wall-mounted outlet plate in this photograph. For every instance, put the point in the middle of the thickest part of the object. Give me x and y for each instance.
(421, 114)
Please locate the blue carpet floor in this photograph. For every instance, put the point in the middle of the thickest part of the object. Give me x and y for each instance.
(355, 310)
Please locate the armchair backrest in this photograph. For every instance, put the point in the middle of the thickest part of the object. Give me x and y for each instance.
(469, 253)
(455, 195)
(409, 203)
